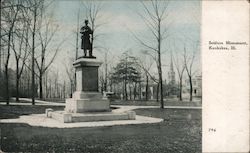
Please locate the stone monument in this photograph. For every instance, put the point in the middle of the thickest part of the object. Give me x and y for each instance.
(86, 98)
(87, 104)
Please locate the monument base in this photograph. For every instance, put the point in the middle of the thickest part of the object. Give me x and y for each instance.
(87, 102)
(88, 107)
(66, 117)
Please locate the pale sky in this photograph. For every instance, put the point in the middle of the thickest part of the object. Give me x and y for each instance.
(121, 18)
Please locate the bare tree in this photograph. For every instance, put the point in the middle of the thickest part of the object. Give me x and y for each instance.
(34, 12)
(154, 15)
(180, 67)
(56, 85)
(0, 38)
(108, 66)
(45, 84)
(104, 73)
(188, 62)
(10, 15)
(146, 65)
(46, 33)
(21, 52)
(105, 76)
(76, 55)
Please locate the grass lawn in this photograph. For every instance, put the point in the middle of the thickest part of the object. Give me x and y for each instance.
(180, 132)
(170, 102)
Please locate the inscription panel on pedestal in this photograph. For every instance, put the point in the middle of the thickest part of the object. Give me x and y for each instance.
(90, 78)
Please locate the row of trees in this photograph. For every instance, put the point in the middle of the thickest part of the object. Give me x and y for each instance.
(54, 88)
(155, 16)
(184, 62)
(27, 32)
(131, 74)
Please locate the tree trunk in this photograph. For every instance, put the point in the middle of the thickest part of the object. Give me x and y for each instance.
(17, 80)
(33, 57)
(180, 94)
(64, 90)
(191, 88)
(130, 92)
(125, 89)
(41, 85)
(7, 84)
(106, 73)
(0, 38)
(6, 69)
(135, 91)
(50, 89)
(17, 90)
(28, 85)
(111, 85)
(71, 88)
(140, 90)
(157, 93)
(46, 85)
(146, 87)
(159, 62)
(161, 91)
(57, 93)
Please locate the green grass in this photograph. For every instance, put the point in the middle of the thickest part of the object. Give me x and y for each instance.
(180, 132)
(13, 100)
(155, 103)
(14, 111)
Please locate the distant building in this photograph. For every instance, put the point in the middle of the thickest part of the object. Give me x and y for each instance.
(197, 86)
(171, 88)
(171, 73)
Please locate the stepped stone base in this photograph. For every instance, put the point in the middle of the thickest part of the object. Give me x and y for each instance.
(65, 117)
(88, 107)
(81, 106)
(87, 102)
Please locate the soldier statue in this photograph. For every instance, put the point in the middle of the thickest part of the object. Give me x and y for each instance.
(87, 37)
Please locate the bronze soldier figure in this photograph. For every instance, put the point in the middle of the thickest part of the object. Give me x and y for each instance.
(86, 39)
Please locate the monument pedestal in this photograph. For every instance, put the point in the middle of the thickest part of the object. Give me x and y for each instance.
(87, 104)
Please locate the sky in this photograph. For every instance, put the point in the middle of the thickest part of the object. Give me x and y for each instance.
(121, 22)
